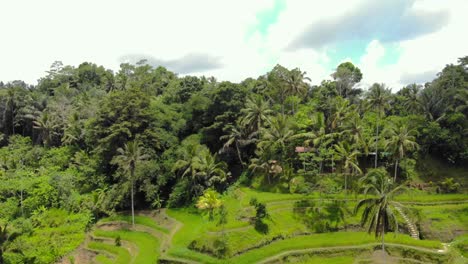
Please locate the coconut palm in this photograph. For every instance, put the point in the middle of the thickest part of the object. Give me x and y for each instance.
(411, 95)
(256, 113)
(239, 137)
(73, 131)
(354, 131)
(348, 156)
(128, 159)
(401, 140)
(278, 134)
(296, 85)
(47, 127)
(378, 211)
(378, 97)
(433, 103)
(209, 201)
(208, 170)
(341, 109)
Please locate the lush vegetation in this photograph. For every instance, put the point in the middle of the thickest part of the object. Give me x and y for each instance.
(248, 169)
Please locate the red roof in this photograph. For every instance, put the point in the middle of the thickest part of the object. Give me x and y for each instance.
(302, 149)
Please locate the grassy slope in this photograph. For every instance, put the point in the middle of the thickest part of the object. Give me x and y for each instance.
(139, 219)
(148, 245)
(243, 237)
(122, 255)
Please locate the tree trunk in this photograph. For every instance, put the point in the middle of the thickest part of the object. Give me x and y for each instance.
(239, 155)
(396, 170)
(131, 194)
(383, 241)
(377, 143)
(346, 183)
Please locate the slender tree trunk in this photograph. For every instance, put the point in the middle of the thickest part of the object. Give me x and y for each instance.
(383, 241)
(396, 170)
(377, 143)
(346, 183)
(21, 202)
(239, 155)
(131, 194)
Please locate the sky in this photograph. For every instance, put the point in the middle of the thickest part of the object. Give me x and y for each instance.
(395, 42)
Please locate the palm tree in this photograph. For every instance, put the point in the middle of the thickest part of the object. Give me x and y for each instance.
(257, 112)
(184, 165)
(238, 137)
(411, 95)
(74, 130)
(260, 163)
(208, 169)
(10, 108)
(349, 159)
(296, 84)
(433, 103)
(279, 134)
(47, 127)
(378, 97)
(378, 214)
(209, 201)
(401, 140)
(354, 130)
(341, 110)
(128, 159)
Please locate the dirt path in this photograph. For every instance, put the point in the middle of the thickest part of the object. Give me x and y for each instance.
(310, 250)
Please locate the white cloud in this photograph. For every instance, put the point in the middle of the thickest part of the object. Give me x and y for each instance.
(36, 33)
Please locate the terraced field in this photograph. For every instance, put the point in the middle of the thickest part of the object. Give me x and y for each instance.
(186, 236)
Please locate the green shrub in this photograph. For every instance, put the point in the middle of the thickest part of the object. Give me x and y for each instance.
(118, 243)
(448, 186)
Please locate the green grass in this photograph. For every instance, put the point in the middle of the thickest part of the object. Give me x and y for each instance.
(443, 222)
(139, 219)
(122, 255)
(461, 244)
(284, 223)
(417, 196)
(326, 240)
(148, 245)
(328, 260)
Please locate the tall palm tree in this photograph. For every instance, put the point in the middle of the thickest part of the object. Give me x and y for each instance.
(401, 140)
(238, 137)
(411, 101)
(296, 84)
(354, 131)
(200, 167)
(208, 169)
(256, 113)
(47, 127)
(349, 159)
(433, 103)
(378, 211)
(184, 165)
(278, 134)
(340, 111)
(128, 159)
(378, 97)
(74, 130)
